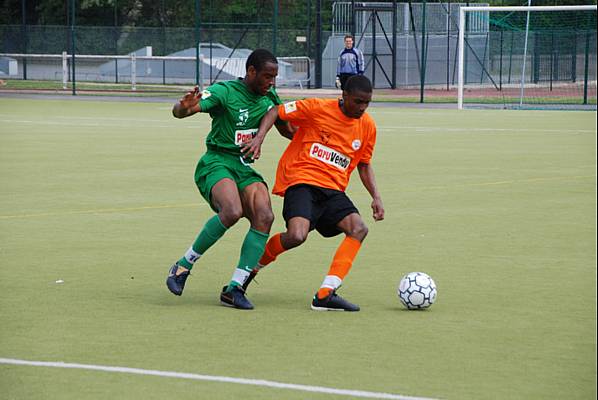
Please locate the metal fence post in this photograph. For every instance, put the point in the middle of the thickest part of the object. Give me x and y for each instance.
(308, 33)
(585, 69)
(460, 46)
(115, 34)
(374, 54)
(73, 46)
(65, 70)
(422, 72)
(24, 33)
(353, 20)
(536, 58)
(197, 41)
(553, 59)
(133, 72)
(274, 26)
(394, 44)
(466, 60)
(308, 73)
(318, 44)
(201, 61)
(500, 59)
(448, 45)
(574, 58)
(511, 56)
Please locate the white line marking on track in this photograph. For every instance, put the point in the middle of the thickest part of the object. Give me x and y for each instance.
(167, 119)
(420, 129)
(213, 378)
(99, 211)
(100, 124)
(155, 123)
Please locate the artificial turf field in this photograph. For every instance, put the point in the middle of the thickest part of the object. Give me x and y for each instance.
(499, 207)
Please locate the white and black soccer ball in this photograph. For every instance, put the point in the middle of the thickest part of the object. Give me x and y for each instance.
(417, 291)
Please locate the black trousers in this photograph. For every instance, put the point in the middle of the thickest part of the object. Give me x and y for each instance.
(343, 78)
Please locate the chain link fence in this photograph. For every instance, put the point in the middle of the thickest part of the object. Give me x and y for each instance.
(425, 55)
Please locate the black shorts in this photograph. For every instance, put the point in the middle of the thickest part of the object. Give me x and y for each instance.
(324, 208)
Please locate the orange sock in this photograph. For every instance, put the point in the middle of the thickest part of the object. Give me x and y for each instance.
(341, 264)
(272, 250)
(323, 293)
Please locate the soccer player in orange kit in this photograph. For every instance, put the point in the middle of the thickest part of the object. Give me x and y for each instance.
(333, 137)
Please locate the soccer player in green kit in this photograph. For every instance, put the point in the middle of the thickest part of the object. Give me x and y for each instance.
(224, 175)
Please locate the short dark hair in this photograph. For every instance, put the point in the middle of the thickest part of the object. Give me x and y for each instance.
(349, 37)
(258, 58)
(358, 83)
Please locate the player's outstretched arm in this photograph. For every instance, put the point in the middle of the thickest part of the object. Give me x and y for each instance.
(188, 105)
(254, 146)
(285, 128)
(366, 174)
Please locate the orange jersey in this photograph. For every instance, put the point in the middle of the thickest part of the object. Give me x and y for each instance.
(326, 148)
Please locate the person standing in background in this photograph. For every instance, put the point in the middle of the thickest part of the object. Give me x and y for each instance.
(350, 63)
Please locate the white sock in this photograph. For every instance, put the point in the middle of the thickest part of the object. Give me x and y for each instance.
(192, 256)
(331, 282)
(240, 276)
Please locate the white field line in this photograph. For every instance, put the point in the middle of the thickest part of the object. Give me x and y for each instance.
(416, 129)
(102, 118)
(421, 129)
(213, 378)
(100, 124)
(100, 211)
(153, 123)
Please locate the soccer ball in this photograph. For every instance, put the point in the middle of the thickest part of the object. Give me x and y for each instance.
(417, 290)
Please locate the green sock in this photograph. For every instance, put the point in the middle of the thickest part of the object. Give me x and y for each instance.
(211, 232)
(251, 251)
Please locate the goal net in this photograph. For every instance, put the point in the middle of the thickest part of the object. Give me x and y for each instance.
(527, 57)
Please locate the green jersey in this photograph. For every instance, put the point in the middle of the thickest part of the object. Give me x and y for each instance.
(236, 113)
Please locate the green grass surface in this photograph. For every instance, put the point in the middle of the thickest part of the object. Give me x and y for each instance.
(499, 207)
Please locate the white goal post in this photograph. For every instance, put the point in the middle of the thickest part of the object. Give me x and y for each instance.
(462, 19)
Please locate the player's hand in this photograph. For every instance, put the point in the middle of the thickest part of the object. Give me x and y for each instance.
(191, 98)
(337, 82)
(253, 148)
(377, 209)
(188, 104)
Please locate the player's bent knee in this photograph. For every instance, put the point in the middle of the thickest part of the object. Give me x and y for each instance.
(295, 238)
(230, 215)
(264, 219)
(268, 218)
(359, 232)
